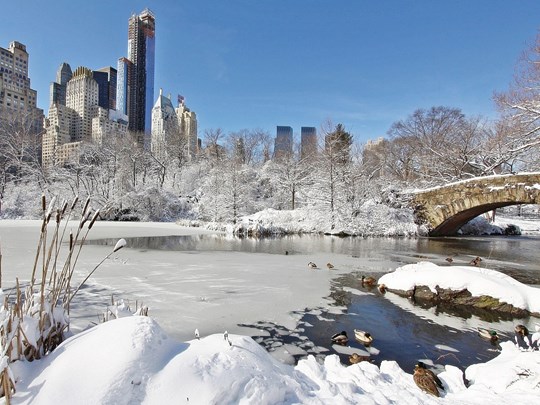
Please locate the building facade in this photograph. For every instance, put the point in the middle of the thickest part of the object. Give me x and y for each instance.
(80, 120)
(164, 126)
(106, 79)
(136, 75)
(17, 100)
(308, 142)
(58, 88)
(174, 130)
(283, 145)
(122, 85)
(106, 124)
(81, 96)
(188, 127)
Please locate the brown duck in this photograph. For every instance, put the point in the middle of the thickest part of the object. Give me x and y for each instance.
(426, 380)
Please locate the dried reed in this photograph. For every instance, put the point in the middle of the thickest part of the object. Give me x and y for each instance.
(33, 322)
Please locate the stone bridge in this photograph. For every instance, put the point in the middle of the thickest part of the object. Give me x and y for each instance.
(445, 209)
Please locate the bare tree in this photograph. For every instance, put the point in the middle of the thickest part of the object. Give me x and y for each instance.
(20, 144)
(441, 144)
(250, 146)
(214, 150)
(520, 111)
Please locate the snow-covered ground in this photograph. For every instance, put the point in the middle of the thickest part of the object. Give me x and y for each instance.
(136, 360)
(131, 360)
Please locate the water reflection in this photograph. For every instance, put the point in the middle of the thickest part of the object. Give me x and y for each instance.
(517, 256)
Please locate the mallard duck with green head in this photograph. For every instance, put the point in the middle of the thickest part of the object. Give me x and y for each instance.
(488, 334)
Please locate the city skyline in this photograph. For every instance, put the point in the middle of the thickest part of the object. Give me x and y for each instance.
(244, 65)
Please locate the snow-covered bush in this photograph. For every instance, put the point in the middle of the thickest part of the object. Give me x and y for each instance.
(121, 309)
(155, 204)
(480, 226)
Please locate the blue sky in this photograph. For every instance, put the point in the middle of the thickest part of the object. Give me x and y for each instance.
(261, 63)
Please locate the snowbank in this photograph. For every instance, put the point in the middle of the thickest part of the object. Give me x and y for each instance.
(478, 281)
(371, 219)
(132, 361)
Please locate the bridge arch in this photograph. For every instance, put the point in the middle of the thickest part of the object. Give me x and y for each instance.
(446, 209)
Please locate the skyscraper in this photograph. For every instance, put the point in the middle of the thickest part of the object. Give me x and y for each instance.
(187, 120)
(122, 85)
(136, 78)
(174, 130)
(58, 88)
(17, 100)
(308, 142)
(283, 145)
(81, 95)
(80, 118)
(106, 80)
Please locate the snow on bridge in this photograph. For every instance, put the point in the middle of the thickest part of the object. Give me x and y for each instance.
(445, 209)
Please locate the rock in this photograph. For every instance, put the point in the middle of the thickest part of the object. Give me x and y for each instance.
(512, 230)
(462, 298)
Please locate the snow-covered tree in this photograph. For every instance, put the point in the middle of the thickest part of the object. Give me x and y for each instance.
(288, 176)
(518, 132)
(330, 169)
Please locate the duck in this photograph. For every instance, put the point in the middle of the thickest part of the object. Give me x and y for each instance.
(449, 259)
(489, 334)
(363, 337)
(356, 358)
(312, 265)
(370, 281)
(382, 288)
(521, 330)
(330, 266)
(431, 374)
(340, 338)
(476, 261)
(425, 381)
(522, 338)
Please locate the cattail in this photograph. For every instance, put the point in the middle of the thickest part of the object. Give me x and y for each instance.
(119, 245)
(43, 203)
(86, 204)
(64, 207)
(75, 200)
(85, 218)
(96, 214)
(70, 241)
(51, 205)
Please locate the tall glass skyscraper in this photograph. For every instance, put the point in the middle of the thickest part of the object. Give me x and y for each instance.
(106, 80)
(308, 142)
(283, 146)
(135, 91)
(122, 88)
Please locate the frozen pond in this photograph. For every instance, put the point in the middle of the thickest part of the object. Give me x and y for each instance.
(191, 278)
